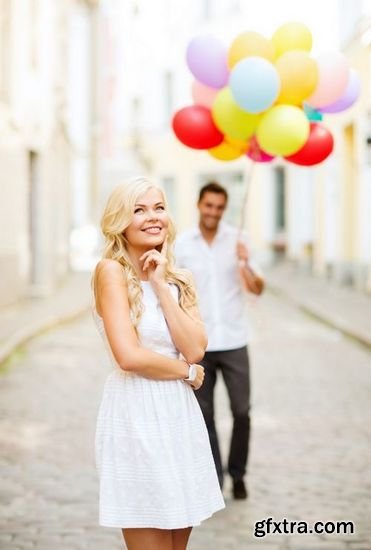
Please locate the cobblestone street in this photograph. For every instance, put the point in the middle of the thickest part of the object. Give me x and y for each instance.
(310, 451)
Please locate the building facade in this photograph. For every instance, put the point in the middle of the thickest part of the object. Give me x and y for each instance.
(38, 149)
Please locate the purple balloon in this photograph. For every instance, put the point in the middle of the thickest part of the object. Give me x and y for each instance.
(350, 95)
(207, 61)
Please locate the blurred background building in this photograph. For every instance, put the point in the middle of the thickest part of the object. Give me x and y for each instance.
(47, 139)
(87, 93)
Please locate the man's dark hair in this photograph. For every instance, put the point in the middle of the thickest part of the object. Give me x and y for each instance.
(213, 187)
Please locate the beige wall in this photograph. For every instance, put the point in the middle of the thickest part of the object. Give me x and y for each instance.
(349, 263)
(35, 150)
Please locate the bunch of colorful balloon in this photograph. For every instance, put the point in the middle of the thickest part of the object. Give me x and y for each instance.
(264, 98)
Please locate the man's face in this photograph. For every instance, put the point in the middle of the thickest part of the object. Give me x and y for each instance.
(211, 208)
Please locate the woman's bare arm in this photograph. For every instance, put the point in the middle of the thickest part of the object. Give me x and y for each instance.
(186, 329)
(113, 306)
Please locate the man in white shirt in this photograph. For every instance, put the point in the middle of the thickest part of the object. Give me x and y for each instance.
(219, 262)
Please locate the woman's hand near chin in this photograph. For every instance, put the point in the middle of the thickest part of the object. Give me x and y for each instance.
(155, 263)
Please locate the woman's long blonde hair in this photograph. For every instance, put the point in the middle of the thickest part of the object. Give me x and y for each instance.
(117, 216)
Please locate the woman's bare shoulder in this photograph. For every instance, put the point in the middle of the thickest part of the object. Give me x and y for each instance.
(108, 270)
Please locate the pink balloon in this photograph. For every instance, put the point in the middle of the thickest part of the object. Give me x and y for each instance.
(257, 154)
(333, 78)
(203, 95)
(349, 97)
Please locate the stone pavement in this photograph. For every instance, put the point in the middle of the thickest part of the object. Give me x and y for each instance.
(21, 321)
(311, 441)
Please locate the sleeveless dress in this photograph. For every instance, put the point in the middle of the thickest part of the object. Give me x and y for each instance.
(152, 447)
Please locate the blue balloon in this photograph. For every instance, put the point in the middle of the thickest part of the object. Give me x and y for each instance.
(255, 84)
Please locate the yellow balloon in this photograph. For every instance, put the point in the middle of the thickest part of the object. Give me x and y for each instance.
(248, 44)
(225, 151)
(232, 120)
(283, 130)
(299, 76)
(292, 36)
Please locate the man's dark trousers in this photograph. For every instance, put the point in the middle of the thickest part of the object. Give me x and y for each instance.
(234, 366)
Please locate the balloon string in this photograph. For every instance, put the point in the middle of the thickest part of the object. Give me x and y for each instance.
(245, 199)
(252, 298)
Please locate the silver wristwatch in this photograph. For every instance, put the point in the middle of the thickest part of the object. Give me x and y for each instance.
(192, 373)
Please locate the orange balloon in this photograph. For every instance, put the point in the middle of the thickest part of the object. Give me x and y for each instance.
(237, 143)
(225, 151)
(250, 44)
(299, 76)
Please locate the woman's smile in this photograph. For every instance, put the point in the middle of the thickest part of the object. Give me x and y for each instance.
(153, 229)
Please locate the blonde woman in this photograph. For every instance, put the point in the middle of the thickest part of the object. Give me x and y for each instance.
(157, 475)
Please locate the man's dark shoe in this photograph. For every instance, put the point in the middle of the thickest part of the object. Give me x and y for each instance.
(239, 489)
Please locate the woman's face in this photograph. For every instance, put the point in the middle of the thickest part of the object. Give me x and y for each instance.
(150, 222)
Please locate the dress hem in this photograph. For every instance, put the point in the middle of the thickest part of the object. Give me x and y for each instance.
(155, 525)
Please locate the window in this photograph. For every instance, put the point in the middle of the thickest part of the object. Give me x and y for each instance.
(4, 49)
(205, 9)
(368, 137)
(234, 7)
(135, 8)
(279, 184)
(168, 95)
(33, 26)
(35, 221)
(135, 113)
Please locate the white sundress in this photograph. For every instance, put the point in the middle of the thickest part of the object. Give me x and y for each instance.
(152, 448)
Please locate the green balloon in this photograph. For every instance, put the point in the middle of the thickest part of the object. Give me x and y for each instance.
(231, 119)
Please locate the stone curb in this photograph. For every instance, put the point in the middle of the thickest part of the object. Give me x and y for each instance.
(320, 315)
(27, 333)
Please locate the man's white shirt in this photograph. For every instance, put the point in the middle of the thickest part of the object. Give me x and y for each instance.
(222, 298)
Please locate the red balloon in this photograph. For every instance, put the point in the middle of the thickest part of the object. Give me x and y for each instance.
(317, 148)
(194, 127)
